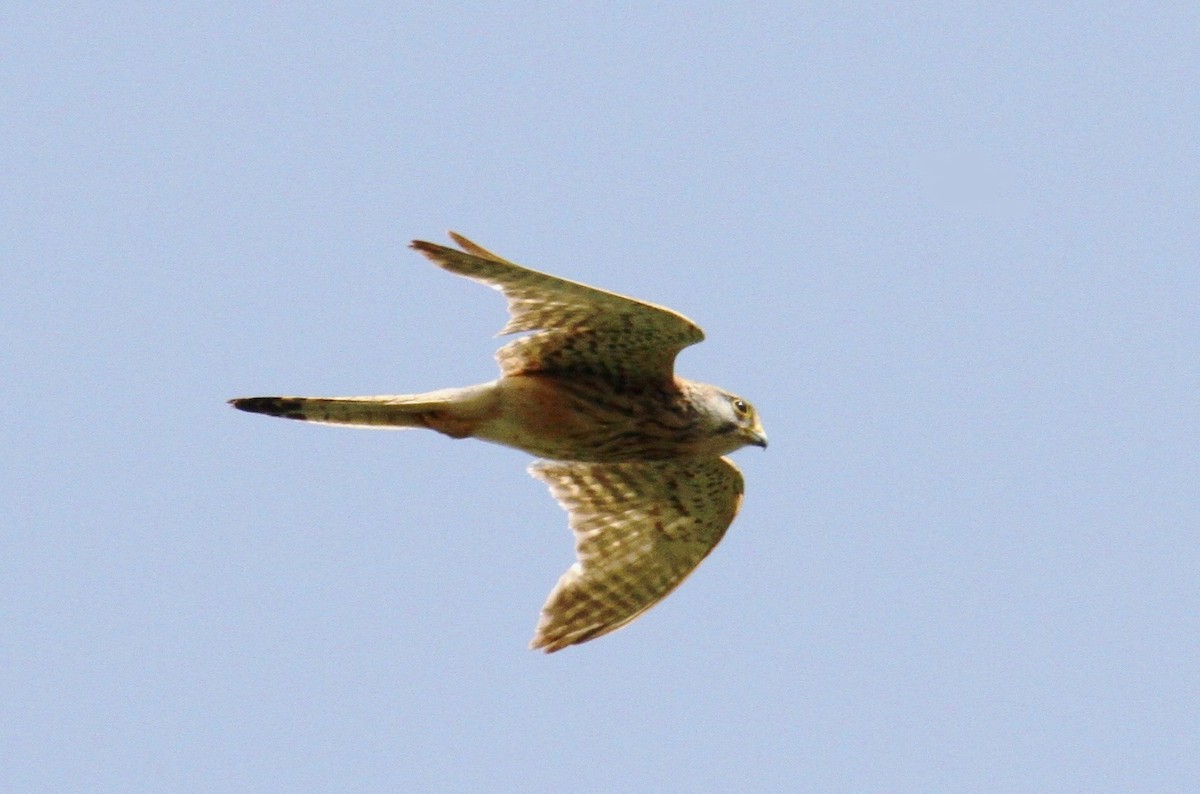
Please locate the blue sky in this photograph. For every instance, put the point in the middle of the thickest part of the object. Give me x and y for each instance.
(948, 252)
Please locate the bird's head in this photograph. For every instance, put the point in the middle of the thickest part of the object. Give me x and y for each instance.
(730, 422)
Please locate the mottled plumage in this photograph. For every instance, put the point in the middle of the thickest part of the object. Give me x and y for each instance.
(640, 529)
(580, 330)
(633, 451)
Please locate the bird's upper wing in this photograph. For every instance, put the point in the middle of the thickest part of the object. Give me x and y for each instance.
(581, 330)
(640, 529)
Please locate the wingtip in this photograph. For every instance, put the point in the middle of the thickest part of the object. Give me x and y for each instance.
(545, 645)
(426, 247)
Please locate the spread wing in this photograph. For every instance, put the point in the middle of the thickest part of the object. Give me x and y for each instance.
(580, 330)
(640, 529)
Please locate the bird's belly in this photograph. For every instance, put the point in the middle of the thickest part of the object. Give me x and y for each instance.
(551, 419)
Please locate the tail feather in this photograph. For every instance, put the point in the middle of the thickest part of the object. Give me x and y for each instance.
(398, 411)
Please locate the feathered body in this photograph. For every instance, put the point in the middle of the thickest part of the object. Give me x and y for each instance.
(633, 452)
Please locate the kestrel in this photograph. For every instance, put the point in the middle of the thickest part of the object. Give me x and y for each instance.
(631, 451)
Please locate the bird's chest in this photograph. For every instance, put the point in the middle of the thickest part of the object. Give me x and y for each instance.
(578, 419)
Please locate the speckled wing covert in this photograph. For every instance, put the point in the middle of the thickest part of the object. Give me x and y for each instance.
(581, 330)
(640, 529)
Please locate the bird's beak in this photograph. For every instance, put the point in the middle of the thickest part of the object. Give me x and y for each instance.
(757, 438)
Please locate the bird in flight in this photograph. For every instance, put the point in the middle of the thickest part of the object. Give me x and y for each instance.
(633, 452)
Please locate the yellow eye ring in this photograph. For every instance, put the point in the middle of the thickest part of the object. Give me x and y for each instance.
(741, 407)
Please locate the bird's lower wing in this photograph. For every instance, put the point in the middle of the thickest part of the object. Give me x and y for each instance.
(640, 528)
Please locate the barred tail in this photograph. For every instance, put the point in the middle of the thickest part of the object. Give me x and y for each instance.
(450, 411)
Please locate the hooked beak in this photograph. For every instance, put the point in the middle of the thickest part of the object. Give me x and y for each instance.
(757, 438)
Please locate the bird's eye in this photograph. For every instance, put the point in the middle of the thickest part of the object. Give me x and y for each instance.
(741, 407)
